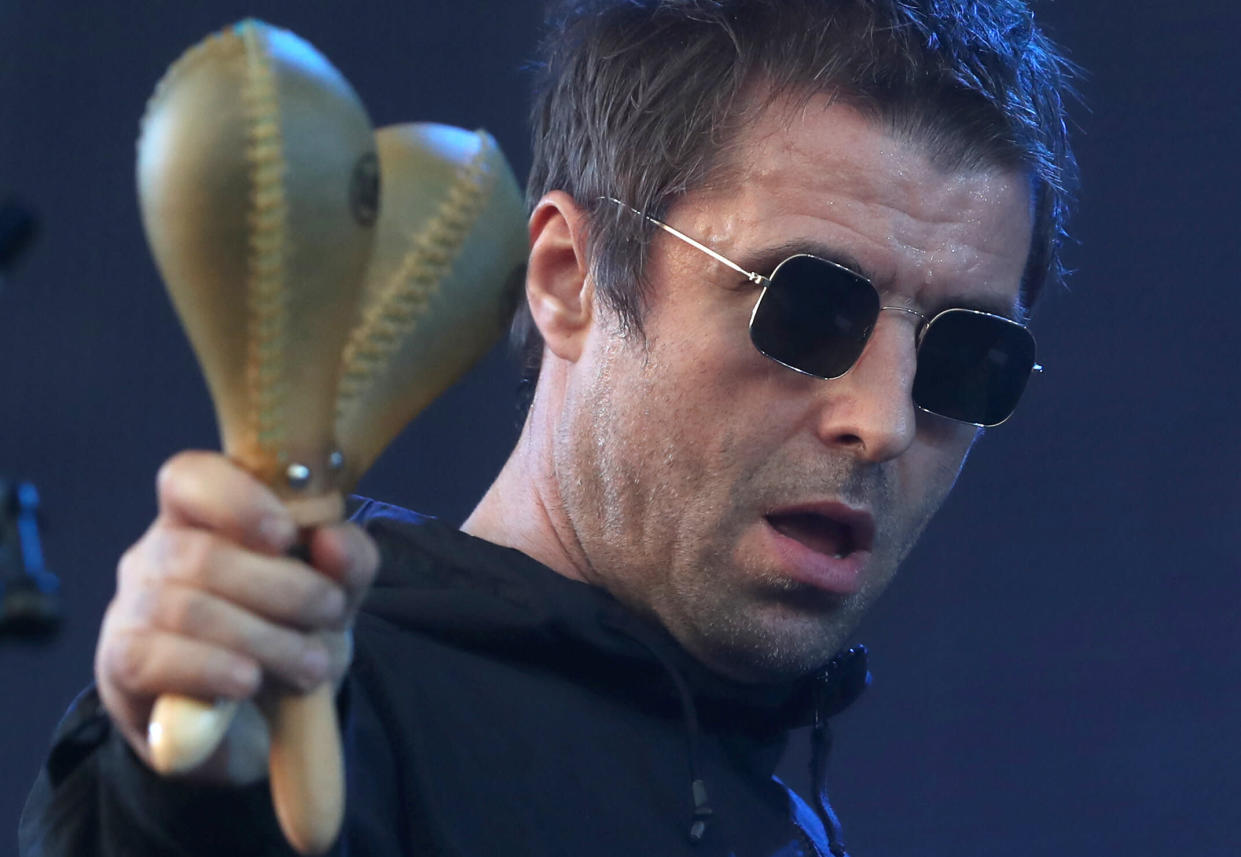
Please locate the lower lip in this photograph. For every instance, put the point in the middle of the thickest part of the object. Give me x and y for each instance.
(839, 576)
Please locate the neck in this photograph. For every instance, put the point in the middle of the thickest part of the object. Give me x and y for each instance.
(523, 508)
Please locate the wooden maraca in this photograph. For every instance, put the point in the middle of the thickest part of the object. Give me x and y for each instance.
(451, 235)
(258, 186)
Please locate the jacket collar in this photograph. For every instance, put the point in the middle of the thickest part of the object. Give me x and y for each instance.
(439, 581)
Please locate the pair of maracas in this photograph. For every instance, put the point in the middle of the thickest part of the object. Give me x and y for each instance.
(332, 281)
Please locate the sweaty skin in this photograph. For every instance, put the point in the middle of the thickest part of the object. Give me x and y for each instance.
(648, 464)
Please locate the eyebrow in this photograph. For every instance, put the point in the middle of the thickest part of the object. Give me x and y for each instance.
(764, 262)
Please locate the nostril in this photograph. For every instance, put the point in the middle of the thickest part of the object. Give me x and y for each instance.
(847, 439)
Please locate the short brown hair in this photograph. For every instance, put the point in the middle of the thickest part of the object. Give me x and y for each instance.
(637, 99)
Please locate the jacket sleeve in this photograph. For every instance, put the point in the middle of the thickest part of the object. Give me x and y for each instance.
(95, 798)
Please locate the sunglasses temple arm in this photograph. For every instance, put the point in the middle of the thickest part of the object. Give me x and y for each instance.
(757, 279)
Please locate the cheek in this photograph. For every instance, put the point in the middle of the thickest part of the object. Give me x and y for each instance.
(695, 389)
(932, 465)
(705, 351)
(679, 431)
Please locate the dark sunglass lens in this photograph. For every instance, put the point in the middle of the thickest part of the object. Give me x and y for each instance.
(973, 367)
(815, 316)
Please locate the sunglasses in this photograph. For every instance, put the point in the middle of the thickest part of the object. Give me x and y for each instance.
(815, 317)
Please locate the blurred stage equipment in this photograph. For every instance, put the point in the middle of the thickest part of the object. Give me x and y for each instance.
(29, 593)
(323, 320)
(18, 227)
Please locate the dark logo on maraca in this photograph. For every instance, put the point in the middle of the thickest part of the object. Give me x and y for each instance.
(364, 189)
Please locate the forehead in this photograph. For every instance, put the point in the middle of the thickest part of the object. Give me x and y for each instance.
(820, 176)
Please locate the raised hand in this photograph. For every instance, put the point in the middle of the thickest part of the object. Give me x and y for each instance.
(209, 605)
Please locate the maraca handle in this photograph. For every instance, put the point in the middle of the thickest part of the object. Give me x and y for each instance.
(307, 771)
(184, 731)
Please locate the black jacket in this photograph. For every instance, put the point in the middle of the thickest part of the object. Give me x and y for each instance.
(494, 707)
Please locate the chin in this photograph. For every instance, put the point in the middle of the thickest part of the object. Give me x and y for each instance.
(776, 643)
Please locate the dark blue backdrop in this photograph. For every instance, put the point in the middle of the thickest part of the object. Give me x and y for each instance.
(1057, 670)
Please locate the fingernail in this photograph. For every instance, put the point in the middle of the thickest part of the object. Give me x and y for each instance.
(245, 675)
(332, 606)
(277, 532)
(314, 665)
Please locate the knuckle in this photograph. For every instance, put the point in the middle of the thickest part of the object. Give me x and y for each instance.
(140, 604)
(127, 564)
(181, 466)
(135, 588)
(180, 611)
(187, 554)
(125, 661)
(137, 558)
(166, 476)
(169, 479)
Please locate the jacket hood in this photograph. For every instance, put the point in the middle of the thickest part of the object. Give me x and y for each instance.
(435, 580)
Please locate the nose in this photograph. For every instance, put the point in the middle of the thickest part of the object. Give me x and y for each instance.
(869, 411)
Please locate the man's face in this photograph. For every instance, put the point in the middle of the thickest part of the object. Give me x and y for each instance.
(755, 512)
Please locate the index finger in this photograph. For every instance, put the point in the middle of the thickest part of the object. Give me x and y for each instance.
(206, 490)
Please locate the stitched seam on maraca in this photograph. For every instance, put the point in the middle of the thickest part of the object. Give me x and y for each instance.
(204, 50)
(416, 280)
(266, 296)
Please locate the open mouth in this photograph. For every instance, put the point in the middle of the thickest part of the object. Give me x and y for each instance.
(835, 534)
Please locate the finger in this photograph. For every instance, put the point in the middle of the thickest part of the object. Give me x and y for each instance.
(339, 647)
(348, 555)
(280, 589)
(297, 659)
(208, 491)
(145, 663)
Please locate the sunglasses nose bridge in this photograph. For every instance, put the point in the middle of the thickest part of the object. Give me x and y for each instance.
(922, 319)
(897, 361)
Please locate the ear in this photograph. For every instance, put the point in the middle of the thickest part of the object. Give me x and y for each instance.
(558, 285)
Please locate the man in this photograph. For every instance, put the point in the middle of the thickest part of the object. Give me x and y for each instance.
(658, 585)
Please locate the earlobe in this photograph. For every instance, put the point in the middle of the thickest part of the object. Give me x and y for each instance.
(558, 286)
